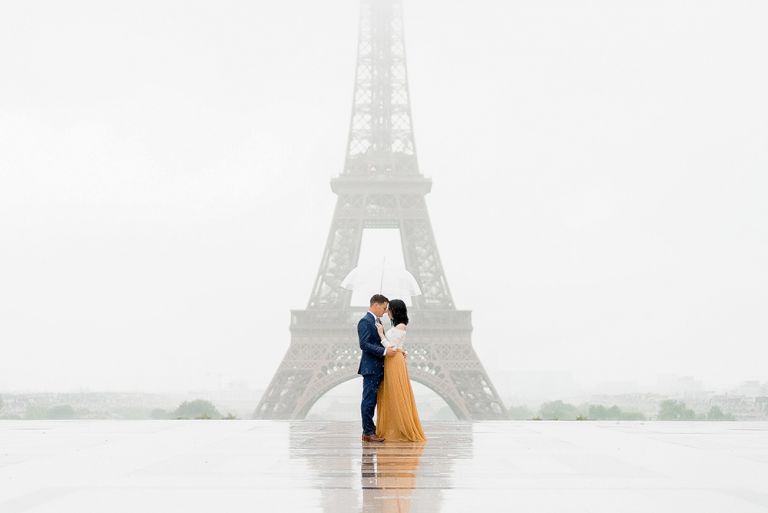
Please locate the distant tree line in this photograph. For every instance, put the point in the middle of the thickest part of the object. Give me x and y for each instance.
(676, 410)
(560, 410)
(196, 409)
(553, 410)
(57, 412)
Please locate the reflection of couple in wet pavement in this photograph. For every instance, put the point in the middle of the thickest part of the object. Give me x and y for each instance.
(379, 477)
(386, 384)
(388, 476)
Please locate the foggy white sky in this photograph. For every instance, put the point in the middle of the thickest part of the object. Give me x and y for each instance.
(599, 178)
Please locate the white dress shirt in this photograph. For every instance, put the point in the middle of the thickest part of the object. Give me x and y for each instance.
(375, 319)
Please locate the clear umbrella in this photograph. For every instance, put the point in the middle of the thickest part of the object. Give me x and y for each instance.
(394, 281)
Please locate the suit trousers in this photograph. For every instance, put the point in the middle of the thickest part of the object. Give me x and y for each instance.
(371, 384)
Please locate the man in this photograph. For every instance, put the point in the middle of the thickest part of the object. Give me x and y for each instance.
(372, 363)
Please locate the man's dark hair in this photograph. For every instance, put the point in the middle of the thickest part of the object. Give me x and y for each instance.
(378, 299)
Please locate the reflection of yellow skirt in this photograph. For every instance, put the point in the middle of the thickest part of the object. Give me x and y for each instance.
(396, 416)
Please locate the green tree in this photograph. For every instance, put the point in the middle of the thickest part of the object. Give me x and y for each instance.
(61, 411)
(599, 412)
(715, 413)
(197, 409)
(632, 415)
(675, 410)
(159, 413)
(35, 412)
(519, 412)
(558, 410)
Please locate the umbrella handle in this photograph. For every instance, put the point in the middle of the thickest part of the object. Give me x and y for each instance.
(381, 281)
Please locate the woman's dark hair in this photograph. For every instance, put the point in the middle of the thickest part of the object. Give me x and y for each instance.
(399, 312)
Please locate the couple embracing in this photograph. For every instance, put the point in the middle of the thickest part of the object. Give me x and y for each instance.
(386, 385)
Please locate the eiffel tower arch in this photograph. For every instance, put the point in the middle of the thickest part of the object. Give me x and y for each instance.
(380, 187)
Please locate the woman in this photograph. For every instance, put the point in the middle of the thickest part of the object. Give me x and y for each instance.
(396, 416)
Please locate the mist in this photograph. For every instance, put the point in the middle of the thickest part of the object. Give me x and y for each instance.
(599, 188)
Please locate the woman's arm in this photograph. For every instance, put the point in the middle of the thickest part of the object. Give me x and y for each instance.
(384, 340)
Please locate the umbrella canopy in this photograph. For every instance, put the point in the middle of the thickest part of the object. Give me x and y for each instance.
(394, 281)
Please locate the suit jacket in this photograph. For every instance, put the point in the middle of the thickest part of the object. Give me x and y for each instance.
(372, 361)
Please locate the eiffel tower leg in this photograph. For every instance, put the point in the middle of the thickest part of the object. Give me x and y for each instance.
(296, 377)
(342, 250)
(323, 354)
(442, 358)
(423, 260)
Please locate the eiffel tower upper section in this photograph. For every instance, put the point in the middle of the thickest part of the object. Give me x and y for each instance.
(381, 139)
(381, 142)
(380, 185)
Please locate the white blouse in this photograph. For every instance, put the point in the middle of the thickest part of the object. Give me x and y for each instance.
(394, 338)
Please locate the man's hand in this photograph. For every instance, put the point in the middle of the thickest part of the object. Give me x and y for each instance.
(391, 351)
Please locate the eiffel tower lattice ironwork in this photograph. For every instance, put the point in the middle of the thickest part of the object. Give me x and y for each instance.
(380, 187)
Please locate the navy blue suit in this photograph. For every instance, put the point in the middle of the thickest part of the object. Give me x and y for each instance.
(371, 368)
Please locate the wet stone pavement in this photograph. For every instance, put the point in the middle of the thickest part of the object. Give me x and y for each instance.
(248, 465)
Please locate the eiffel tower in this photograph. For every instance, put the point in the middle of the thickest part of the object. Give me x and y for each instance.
(380, 187)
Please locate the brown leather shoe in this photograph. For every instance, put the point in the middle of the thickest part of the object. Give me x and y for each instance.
(372, 438)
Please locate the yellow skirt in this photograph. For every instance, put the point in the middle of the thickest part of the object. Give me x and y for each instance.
(396, 416)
